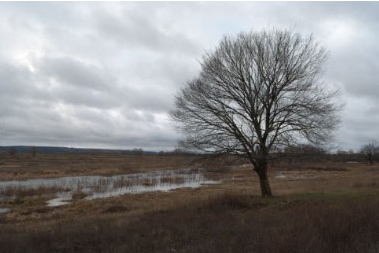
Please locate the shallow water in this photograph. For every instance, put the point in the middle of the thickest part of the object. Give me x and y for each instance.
(295, 175)
(63, 198)
(4, 210)
(103, 187)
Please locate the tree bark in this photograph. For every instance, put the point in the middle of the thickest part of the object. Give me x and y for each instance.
(263, 181)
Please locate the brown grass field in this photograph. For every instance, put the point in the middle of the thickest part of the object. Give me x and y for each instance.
(318, 207)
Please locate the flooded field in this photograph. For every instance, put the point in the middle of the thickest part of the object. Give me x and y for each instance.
(65, 203)
(4, 210)
(93, 187)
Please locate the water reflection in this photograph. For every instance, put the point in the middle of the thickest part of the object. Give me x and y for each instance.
(62, 198)
(4, 210)
(103, 187)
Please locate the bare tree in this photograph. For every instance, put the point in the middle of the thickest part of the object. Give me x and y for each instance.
(137, 151)
(161, 153)
(369, 150)
(257, 92)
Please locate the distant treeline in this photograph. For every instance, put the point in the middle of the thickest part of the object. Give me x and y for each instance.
(34, 150)
(66, 150)
(293, 153)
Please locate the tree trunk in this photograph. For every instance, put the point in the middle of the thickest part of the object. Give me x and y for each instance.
(370, 159)
(263, 180)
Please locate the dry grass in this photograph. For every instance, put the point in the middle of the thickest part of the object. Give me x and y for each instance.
(23, 192)
(239, 179)
(318, 166)
(225, 223)
(172, 180)
(318, 208)
(23, 167)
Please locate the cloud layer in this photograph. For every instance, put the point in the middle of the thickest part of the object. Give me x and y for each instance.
(105, 74)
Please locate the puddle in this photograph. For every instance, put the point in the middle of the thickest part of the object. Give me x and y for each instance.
(295, 175)
(280, 175)
(135, 189)
(103, 187)
(4, 210)
(63, 198)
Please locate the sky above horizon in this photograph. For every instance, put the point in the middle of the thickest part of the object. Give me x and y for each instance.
(104, 74)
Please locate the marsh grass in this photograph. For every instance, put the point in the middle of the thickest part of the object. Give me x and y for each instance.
(337, 211)
(23, 166)
(225, 223)
(78, 195)
(172, 180)
(116, 208)
(22, 192)
(309, 166)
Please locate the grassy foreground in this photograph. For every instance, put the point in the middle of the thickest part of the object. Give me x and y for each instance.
(230, 222)
(319, 207)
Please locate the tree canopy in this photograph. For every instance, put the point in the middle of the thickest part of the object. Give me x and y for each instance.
(257, 91)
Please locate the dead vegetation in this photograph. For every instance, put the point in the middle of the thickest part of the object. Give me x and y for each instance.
(315, 210)
(23, 166)
(225, 223)
(24, 192)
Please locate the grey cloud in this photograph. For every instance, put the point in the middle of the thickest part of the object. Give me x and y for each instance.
(136, 31)
(67, 116)
(357, 69)
(18, 81)
(85, 97)
(105, 74)
(55, 13)
(74, 72)
(55, 82)
(359, 122)
(93, 128)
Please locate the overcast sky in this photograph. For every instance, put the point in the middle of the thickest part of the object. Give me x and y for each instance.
(105, 74)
